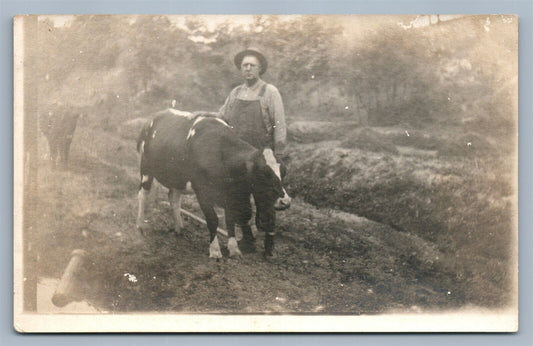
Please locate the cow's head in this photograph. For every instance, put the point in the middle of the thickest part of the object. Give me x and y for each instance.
(267, 175)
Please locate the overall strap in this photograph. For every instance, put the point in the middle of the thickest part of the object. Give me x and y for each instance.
(267, 120)
(262, 91)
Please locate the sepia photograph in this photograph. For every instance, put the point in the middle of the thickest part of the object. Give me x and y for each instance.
(266, 173)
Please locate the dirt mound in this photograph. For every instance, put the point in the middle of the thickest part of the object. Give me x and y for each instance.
(370, 140)
(317, 131)
(460, 205)
(458, 143)
(469, 144)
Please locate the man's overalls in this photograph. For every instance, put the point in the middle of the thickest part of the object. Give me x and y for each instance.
(250, 121)
(253, 126)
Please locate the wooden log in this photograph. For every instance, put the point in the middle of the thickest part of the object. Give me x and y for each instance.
(202, 221)
(66, 287)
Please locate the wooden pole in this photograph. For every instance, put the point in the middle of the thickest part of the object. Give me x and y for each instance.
(199, 219)
(65, 291)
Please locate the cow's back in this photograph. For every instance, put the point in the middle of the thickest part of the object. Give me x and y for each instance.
(165, 149)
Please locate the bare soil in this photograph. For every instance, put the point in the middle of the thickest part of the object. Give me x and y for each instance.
(329, 258)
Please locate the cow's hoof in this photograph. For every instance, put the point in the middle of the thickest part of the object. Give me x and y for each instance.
(234, 248)
(236, 254)
(214, 249)
(177, 232)
(215, 255)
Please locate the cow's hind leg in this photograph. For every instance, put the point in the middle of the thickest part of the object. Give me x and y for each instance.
(211, 218)
(174, 196)
(65, 148)
(146, 185)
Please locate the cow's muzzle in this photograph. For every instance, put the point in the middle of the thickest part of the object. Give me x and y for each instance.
(283, 202)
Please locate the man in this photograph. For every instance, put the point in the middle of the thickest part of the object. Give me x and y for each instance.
(255, 108)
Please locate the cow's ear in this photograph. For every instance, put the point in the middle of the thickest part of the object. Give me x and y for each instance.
(254, 160)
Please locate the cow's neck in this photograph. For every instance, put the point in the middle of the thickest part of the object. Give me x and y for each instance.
(238, 156)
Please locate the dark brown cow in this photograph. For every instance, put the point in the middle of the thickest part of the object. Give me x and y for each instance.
(223, 170)
(58, 126)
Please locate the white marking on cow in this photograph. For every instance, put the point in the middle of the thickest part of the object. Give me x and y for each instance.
(151, 123)
(145, 178)
(188, 188)
(153, 134)
(233, 247)
(286, 199)
(214, 249)
(191, 133)
(185, 114)
(222, 122)
(271, 161)
(143, 194)
(142, 147)
(174, 195)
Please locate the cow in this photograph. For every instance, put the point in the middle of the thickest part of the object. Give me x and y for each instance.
(58, 127)
(178, 148)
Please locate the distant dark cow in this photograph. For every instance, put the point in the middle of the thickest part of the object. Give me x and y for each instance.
(58, 128)
(223, 170)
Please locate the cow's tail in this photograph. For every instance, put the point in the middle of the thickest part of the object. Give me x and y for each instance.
(144, 135)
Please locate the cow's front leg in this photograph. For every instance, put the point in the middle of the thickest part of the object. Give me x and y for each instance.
(146, 185)
(233, 247)
(265, 220)
(211, 218)
(244, 216)
(174, 195)
(54, 151)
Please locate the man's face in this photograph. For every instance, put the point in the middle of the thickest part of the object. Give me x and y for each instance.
(250, 67)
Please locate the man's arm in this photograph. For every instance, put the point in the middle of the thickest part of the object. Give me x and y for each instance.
(222, 111)
(229, 100)
(278, 115)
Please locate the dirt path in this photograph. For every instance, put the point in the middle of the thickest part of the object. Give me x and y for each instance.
(327, 261)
